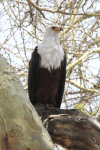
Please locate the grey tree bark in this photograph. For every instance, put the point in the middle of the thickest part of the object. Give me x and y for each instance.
(20, 125)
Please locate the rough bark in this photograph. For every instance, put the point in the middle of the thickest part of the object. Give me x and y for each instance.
(71, 129)
(20, 125)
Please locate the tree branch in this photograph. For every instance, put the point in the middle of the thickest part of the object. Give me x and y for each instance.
(72, 65)
(62, 12)
(70, 128)
(82, 88)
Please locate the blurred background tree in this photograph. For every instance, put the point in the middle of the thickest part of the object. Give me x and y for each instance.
(22, 25)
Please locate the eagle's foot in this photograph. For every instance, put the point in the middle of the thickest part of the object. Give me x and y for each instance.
(39, 104)
(50, 105)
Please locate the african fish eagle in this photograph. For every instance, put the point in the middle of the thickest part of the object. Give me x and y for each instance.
(47, 70)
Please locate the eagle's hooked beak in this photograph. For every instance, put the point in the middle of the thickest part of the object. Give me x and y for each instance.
(57, 28)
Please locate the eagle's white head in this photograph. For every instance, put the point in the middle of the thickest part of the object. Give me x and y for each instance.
(50, 50)
(52, 31)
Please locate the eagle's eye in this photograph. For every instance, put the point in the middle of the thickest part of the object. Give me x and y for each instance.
(53, 27)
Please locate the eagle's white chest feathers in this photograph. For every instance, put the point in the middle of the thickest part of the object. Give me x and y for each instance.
(51, 54)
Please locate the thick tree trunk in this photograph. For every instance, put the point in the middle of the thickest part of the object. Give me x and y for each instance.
(20, 125)
(71, 129)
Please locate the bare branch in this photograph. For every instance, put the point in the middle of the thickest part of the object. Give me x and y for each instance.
(57, 11)
(97, 50)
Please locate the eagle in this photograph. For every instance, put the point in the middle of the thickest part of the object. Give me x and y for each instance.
(47, 70)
